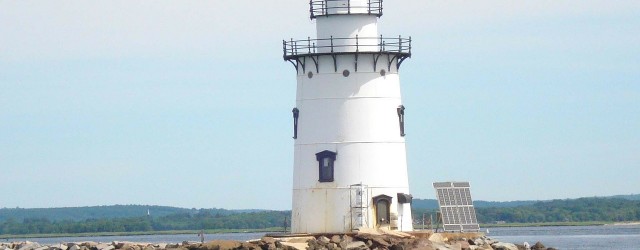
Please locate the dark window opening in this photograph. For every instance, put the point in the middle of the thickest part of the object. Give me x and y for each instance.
(296, 114)
(382, 205)
(401, 119)
(326, 160)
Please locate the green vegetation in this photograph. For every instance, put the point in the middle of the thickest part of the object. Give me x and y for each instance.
(100, 212)
(133, 219)
(557, 211)
(203, 219)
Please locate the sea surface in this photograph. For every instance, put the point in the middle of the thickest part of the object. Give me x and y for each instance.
(619, 237)
(614, 237)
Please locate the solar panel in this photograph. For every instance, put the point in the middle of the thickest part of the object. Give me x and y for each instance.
(456, 206)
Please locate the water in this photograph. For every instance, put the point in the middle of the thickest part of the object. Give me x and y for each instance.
(622, 237)
(619, 237)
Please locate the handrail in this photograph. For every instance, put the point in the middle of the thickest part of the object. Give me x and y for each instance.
(297, 48)
(344, 7)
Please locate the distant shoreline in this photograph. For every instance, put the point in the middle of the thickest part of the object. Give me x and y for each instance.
(632, 223)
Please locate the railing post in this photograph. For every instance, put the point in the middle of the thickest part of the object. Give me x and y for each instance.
(331, 37)
(380, 44)
(311, 9)
(348, 6)
(357, 49)
(292, 49)
(399, 43)
(409, 44)
(284, 47)
(309, 44)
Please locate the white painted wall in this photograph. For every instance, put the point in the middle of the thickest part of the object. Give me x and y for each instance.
(356, 117)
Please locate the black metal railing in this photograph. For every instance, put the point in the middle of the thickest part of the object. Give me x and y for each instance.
(298, 48)
(345, 7)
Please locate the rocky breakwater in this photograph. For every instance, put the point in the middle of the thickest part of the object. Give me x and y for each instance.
(364, 240)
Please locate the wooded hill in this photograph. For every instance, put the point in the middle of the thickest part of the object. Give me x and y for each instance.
(134, 218)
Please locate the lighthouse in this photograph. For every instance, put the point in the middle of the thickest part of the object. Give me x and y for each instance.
(350, 168)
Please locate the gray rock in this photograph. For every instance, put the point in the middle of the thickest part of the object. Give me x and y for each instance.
(356, 245)
(538, 246)
(504, 246)
(336, 239)
(421, 244)
(332, 246)
(28, 246)
(105, 246)
(441, 246)
(61, 246)
(347, 238)
(323, 240)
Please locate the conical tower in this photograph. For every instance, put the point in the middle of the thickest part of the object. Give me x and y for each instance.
(350, 167)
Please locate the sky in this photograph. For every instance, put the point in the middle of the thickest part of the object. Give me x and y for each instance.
(188, 103)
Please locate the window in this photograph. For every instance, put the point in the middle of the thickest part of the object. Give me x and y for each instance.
(382, 205)
(326, 161)
(296, 113)
(401, 119)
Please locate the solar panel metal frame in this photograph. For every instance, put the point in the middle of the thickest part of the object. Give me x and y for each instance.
(456, 206)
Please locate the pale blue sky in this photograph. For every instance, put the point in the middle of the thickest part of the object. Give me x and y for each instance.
(187, 103)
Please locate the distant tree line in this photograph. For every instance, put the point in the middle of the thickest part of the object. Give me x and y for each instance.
(578, 210)
(182, 221)
(575, 210)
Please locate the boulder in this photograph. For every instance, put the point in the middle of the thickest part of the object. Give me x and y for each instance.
(436, 237)
(27, 245)
(336, 239)
(332, 246)
(128, 246)
(105, 246)
(504, 246)
(484, 247)
(314, 245)
(60, 246)
(538, 246)
(421, 244)
(293, 246)
(268, 240)
(323, 240)
(356, 245)
(464, 245)
(222, 245)
(441, 246)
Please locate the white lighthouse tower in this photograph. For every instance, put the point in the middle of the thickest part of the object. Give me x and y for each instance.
(350, 167)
